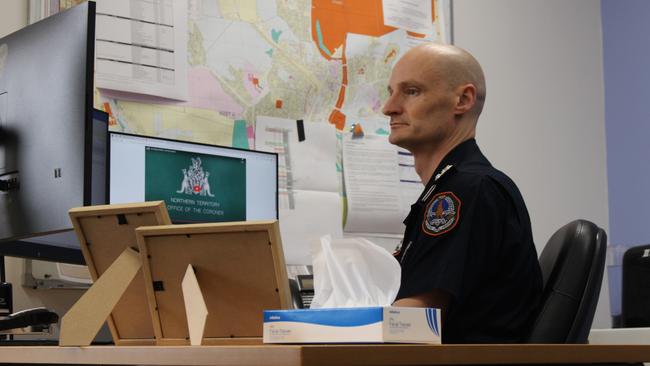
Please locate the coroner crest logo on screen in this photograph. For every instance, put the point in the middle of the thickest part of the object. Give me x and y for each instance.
(196, 187)
(195, 180)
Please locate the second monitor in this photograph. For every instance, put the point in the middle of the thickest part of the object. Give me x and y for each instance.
(198, 182)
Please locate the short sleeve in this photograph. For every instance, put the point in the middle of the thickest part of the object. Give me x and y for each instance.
(458, 255)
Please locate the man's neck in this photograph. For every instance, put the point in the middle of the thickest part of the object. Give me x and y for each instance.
(427, 161)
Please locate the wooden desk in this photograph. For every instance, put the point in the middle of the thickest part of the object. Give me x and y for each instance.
(317, 355)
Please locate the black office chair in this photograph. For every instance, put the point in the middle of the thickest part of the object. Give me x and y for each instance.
(572, 265)
(635, 299)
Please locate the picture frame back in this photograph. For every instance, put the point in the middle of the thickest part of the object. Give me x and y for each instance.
(240, 270)
(104, 232)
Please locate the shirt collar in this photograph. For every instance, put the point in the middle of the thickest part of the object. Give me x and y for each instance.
(460, 154)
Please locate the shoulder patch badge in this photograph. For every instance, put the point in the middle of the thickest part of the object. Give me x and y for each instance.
(441, 214)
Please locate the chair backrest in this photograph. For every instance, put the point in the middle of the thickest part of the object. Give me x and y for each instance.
(635, 295)
(572, 264)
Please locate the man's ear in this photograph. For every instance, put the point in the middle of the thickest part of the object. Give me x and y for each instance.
(466, 98)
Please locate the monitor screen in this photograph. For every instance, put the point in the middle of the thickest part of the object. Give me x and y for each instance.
(49, 161)
(198, 182)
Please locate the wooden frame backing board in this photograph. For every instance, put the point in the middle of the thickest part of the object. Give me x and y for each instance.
(240, 271)
(104, 232)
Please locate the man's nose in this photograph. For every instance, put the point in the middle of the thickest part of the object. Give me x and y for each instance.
(391, 106)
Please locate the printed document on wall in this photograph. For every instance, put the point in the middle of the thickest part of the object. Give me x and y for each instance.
(141, 47)
(413, 16)
(410, 184)
(380, 185)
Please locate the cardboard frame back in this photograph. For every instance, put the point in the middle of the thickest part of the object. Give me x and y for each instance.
(240, 271)
(104, 232)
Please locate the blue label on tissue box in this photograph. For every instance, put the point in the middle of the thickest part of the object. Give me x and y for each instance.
(338, 317)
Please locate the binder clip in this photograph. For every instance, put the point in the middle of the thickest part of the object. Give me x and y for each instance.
(357, 131)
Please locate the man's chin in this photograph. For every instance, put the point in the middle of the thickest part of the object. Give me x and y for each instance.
(393, 139)
(397, 141)
(403, 143)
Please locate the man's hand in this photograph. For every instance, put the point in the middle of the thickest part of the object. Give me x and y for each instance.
(434, 299)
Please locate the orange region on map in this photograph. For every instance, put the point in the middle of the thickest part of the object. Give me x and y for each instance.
(416, 35)
(338, 18)
(111, 118)
(331, 21)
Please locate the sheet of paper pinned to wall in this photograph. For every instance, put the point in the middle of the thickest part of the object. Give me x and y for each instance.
(313, 215)
(380, 185)
(309, 202)
(413, 16)
(410, 184)
(308, 159)
(141, 47)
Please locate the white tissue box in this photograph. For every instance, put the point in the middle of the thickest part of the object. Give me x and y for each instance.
(353, 325)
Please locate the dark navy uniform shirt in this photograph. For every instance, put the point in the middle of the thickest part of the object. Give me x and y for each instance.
(469, 235)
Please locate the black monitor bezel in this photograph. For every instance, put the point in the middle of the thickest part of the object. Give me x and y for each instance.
(90, 112)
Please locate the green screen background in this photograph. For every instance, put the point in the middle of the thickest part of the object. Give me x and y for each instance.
(227, 180)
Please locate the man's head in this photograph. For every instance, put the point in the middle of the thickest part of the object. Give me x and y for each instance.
(436, 95)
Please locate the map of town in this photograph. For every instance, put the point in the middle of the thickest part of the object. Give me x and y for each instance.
(321, 61)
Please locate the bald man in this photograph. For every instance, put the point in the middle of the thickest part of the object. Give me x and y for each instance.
(468, 246)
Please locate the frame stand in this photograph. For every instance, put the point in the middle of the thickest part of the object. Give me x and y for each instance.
(195, 308)
(80, 324)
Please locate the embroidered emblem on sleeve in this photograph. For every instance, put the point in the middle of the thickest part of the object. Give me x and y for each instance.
(441, 214)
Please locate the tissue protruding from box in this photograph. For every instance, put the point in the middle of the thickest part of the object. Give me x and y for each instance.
(353, 272)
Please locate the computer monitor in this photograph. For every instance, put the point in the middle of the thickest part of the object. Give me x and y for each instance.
(198, 182)
(52, 154)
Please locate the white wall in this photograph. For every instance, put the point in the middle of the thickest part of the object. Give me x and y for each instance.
(544, 120)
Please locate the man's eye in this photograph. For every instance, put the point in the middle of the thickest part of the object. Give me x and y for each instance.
(412, 91)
